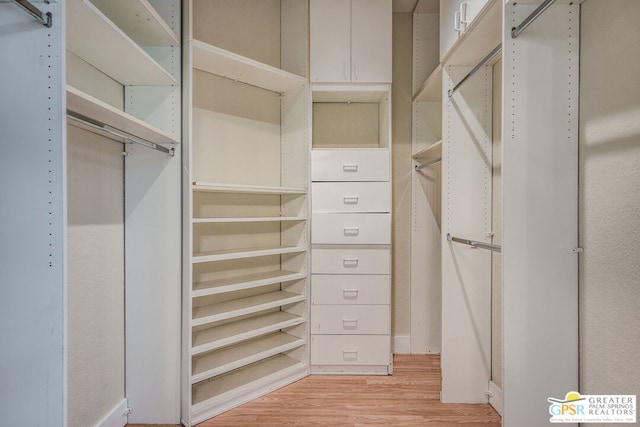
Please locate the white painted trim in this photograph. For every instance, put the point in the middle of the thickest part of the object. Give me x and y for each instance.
(117, 417)
(495, 397)
(401, 344)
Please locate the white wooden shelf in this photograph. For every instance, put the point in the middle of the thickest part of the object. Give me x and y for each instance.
(250, 189)
(484, 34)
(241, 330)
(209, 394)
(239, 307)
(252, 219)
(140, 21)
(227, 254)
(208, 365)
(98, 41)
(246, 281)
(323, 92)
(431, 89)
(215, 60)
(432, 152)
(88, 106)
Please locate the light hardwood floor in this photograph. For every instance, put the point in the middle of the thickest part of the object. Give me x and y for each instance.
(409, 397)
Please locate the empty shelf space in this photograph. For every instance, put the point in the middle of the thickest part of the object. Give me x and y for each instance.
(234, 332)
(218, 362)
(431, 89)
(245, 253)
(93, 108)
(484, 34)
(98, 41)
(249, 189)
(256, 219)
(373, 93)
(244, 282)
(140, 21)
(221, 62)
(432, 152)
(206, 395)
(239, 307)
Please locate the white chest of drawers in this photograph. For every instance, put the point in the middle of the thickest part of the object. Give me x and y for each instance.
(351, 262)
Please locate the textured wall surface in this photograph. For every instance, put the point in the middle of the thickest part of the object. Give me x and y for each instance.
(96, 276)
(610, 198)
(401, 134)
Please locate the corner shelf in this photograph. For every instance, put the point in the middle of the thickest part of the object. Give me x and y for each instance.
(261, 375)
(432, 152)
(95, 109)
(95, 39)
(234, 332)
(246, 281)
(431, 89)
(239, 307)
(228, 254)
(247, 220)
(481, 37)
(215, 60)
(209, 365)
(249, 189)
(140, 20)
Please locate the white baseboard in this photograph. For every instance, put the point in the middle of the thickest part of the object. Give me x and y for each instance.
(495, 397)
(401, 344)
(117, 417)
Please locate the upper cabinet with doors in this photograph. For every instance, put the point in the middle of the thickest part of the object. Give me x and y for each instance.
(350, 41)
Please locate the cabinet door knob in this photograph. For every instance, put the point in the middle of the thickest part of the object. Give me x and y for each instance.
(351, 167)
(351, 231)
(350, 323)
(350, 262)
(350, 200)
(350, 293)
(356, 73)
(349, 355)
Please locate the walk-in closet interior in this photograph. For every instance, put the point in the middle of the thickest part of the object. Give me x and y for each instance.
(208, 200)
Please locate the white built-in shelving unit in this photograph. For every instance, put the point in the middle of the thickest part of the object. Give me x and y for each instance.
(123, 83)
(245, 204)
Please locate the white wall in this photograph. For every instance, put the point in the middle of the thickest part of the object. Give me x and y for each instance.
(610, 198)
(95, 276)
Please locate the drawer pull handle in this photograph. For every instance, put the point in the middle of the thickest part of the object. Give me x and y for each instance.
(350, 168)
(351, 231)
(350, 355)
(350, 293)
(350, 323)
(350, 200)
(350, 262)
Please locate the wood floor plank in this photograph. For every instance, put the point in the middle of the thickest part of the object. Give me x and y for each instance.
(408, 398)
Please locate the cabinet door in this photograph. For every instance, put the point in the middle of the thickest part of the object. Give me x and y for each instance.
(371, 38)
(330, 35)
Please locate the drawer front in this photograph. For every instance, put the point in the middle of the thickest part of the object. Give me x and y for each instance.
(350, 261)
(350, 319)
(351, 228)
(350, 165)
(350, 289)
(351, 196)
(350, 350)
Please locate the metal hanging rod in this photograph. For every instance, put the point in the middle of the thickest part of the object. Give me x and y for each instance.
(475, 69)
(481, 245)
(45, 18)
(127, 137)
(425, 164)
(515, 31)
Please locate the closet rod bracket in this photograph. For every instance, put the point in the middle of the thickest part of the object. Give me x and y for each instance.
(45, 18)
(474, 243)
(515, 31)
